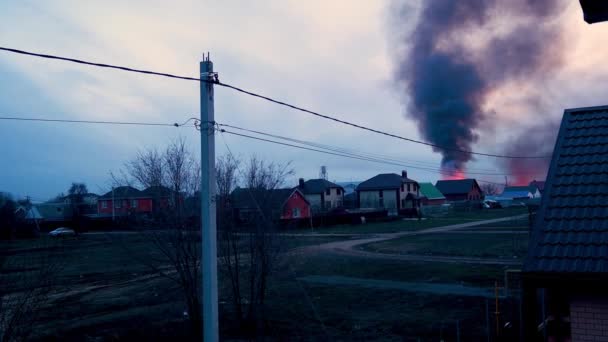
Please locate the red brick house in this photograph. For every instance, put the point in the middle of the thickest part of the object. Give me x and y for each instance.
(460, 190)
(565, 275)
(125, 200)
(280, 204)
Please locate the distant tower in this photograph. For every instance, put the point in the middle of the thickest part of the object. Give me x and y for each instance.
(323, 172)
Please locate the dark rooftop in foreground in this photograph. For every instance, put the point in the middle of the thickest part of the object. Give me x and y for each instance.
(571, 231)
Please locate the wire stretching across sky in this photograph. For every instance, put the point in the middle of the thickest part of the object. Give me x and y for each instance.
(339, 154)
(421, 165)
(267, 98)
(184, 124)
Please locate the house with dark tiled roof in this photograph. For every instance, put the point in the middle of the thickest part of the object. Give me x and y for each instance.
(280, 204)
(460, 189)
(322, 194)
(389, 191)
(565, 275)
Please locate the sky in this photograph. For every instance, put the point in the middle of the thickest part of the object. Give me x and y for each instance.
(335, 57)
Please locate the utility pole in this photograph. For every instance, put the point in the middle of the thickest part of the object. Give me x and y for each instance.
(113, 206)
(208, 193)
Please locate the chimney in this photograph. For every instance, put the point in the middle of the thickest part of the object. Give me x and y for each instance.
(301, 185)
(404, 174)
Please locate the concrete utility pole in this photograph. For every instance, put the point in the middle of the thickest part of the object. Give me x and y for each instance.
(208, 193)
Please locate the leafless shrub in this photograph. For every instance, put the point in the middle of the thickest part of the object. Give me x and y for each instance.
(27, 278)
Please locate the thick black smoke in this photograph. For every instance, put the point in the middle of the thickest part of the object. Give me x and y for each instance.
(460, 51)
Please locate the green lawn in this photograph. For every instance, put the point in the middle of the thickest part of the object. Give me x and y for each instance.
(413, 225)
(456, 244)
(111, 296)
(435, 272)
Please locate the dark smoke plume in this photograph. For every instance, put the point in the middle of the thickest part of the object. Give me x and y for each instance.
(448, 74)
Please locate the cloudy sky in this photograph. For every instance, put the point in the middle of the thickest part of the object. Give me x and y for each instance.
(336, 57)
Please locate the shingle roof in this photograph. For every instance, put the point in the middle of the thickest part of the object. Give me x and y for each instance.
(122, 192)
(384, 181)
(318, 186)
(571, 230)
(429, 191)
(154, 191)
(455, 186)
(250, 198)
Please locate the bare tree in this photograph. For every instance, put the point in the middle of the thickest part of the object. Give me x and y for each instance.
(174, 173)
(489, 189)
(27, 279)
(249, 255)
(76, 197)
(147, 167)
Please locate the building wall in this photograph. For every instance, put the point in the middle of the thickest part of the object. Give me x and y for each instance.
(433, 201)
(474, 194)
(371, 199)
(315, 201)
(413, 189)
(144, 205)
(335, 198)
(589, 319)
(296, 203)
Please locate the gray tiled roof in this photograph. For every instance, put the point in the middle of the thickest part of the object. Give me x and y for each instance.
(318, 186)
(122, 192)
(455, 186)
(571, 231)
(384, 181)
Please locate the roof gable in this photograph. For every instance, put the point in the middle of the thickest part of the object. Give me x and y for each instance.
(318, 186)
(456, 186)
(384, 181)
(252, 198)
(122, 192)
(570, 234)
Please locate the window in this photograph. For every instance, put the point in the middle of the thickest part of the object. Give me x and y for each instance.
(133, 203)
(296, 212)
(117, 204)
(408, 187)
(328, 191)
(402, 187)
(338, 191)
(104, 204)
(339, 203)
(380, 193)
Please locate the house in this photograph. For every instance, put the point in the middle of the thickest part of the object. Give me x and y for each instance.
(161, 196)
(322, 194)
(430, 195)
(124, 200)
(565, 274)
(540, 185)
(520, 192)
(460, 190)
(389, 191)
(280, 204)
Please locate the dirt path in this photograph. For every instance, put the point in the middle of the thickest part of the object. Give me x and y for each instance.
(348, 247)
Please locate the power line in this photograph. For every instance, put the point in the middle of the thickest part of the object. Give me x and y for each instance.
(282, 103)
(360, 154)
(339, 154)
(102, 122)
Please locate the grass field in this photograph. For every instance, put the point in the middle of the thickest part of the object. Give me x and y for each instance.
(413, 225)
(103, 293)
(456, 244)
